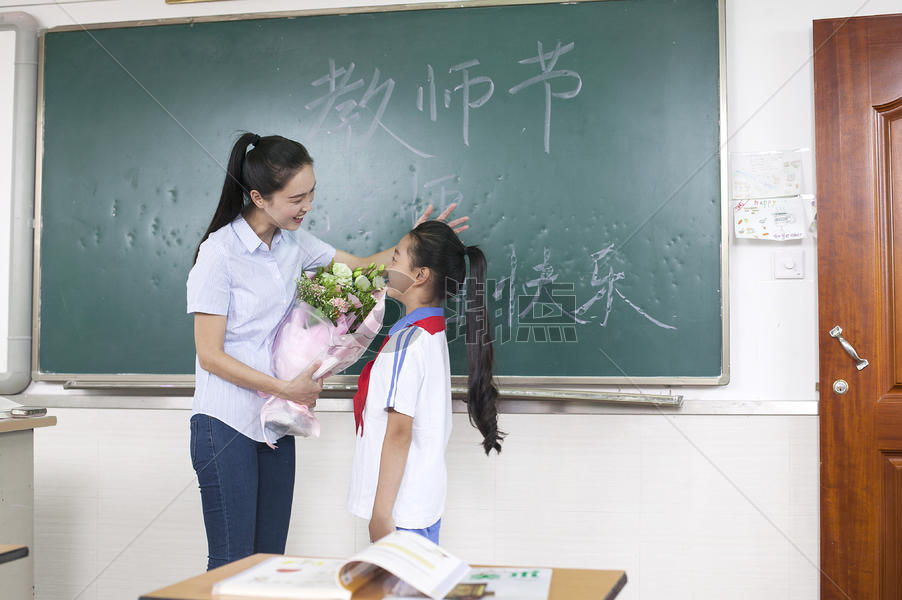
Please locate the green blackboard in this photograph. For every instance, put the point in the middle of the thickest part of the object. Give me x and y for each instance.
(582, 139)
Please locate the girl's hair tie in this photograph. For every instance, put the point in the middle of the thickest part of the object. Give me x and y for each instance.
(255, 140)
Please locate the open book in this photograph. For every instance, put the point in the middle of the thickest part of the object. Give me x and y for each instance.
(401, 555)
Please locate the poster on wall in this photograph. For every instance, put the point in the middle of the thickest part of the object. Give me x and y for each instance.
(769, 191)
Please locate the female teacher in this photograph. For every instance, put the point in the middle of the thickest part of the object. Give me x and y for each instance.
(241, 285)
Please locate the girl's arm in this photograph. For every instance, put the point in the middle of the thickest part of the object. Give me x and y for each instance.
(384, 257)
(395, 447)
(209, 336)
(379, 258)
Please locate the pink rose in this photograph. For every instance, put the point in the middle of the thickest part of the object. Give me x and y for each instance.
(341, 304)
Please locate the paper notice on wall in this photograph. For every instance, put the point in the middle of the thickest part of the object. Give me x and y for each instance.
(777, 219)
(766, 174)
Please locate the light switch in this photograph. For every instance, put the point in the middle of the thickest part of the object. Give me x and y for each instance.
(789, 264)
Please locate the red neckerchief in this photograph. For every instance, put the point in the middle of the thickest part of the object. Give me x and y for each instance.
(430, 324)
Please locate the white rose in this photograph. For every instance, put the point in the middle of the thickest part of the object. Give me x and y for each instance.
(342, 271)
(378, 282)
(362, 283)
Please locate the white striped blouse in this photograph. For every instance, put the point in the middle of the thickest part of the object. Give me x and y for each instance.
(238, 276)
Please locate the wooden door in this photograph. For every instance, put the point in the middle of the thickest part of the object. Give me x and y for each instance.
(858, 130)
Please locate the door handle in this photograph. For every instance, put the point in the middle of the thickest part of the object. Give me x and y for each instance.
(860, 363)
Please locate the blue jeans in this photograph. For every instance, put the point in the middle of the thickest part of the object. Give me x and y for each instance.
(430, 533)
(245, 489)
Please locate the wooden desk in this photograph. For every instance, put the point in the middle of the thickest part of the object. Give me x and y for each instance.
(10, 553)
(17, 500)
(25, 423)
(566, 584)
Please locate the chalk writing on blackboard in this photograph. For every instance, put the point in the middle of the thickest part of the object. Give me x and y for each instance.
(545, 308)
(643, 313)
(546, 278)
(430, 81)
(340, 98)
(511, 282)
(446, 195)
(338, 87)
(444, 187)
(606, 287)
(464, 87)
(348, 110)
(469, 88)
(547, 61)
(604, 284)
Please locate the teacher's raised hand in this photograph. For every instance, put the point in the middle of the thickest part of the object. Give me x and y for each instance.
(384, 257)
(457, 224)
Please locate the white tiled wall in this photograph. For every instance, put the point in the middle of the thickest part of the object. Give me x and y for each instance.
(691, 507)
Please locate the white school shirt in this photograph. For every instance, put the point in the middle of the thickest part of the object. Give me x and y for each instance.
(412, 375)
(236, 275)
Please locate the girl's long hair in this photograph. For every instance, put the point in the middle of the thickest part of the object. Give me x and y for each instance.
(434, 245)
(269, 165)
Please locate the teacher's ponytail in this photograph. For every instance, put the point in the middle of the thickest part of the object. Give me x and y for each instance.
(435, 245)
(268, 166)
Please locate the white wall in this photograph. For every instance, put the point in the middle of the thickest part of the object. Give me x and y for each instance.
(692, 506)
(115, 493)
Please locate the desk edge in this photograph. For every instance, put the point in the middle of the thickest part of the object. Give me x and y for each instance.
(621, 583)
(26, 423)
(14, 555)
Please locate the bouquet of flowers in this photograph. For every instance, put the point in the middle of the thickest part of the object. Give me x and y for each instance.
(338, 313)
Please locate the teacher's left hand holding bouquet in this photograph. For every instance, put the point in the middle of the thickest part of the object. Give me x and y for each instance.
(337, 315)
(242, 285)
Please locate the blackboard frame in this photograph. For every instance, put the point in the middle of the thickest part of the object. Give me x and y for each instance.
(514, 386)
